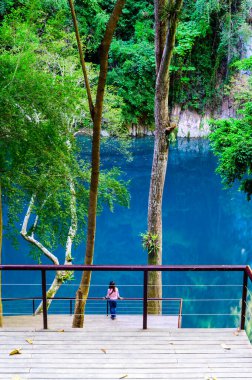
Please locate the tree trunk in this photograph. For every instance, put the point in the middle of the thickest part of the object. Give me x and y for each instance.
(1, 241)
(82, 60)
(82, 293)
(51, 292)
(60, 276)
(166, 19)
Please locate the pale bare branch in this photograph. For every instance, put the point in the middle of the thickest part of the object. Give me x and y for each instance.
(31, 238)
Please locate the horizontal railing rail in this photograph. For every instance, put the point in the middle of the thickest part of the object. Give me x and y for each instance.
(134, 268)
(145, 269)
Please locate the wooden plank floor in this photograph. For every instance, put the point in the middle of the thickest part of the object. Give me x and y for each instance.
(92, 321)
(125, 353)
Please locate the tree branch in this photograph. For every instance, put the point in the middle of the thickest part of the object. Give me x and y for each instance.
(104, 49)
(61, 276)
(163, 69)
(82, 60)
(31, 238)
(73, 227)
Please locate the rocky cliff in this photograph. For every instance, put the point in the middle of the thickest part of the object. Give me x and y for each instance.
(190, 122)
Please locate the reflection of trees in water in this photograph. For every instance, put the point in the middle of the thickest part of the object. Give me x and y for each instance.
(200, 223)
(204, 216)
(206, 303)
(239, 211)
(249, 317)
(248, 322)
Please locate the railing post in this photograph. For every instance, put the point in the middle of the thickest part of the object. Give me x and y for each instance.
(33, 306)
(180, 313)
(145, 299)
(44, 298)
(107, 307)
(244, 299)
(71, 307)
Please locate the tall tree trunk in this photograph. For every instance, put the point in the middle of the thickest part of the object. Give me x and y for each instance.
(82, 60)
(166, 19)
(59, 279)
(82, 292)
(1, 242)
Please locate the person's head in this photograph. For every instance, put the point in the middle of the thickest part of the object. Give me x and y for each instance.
(112, 285)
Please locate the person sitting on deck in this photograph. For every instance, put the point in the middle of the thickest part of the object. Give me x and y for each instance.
(112, 296)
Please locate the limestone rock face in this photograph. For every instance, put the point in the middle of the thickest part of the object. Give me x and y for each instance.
(89, 132)
(139, 130)
(190, 123)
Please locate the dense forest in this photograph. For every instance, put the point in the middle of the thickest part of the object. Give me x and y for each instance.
(38, 35)
(41, 77)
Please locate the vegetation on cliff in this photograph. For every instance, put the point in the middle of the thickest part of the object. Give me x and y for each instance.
(231, 139)
(209, 40)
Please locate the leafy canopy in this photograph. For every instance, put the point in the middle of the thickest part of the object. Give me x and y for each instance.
(231, 141)
(42, 104)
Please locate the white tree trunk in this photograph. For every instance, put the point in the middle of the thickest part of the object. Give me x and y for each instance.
(60, 276)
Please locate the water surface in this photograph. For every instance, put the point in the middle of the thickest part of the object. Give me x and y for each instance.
(202, 224)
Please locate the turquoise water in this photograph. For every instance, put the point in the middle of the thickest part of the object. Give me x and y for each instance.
(202, 224)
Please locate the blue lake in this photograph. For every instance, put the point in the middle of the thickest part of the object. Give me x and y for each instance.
(202, 224)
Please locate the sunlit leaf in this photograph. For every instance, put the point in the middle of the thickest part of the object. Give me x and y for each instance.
(16, 351)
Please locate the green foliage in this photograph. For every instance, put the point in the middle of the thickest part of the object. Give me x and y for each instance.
(172, 136)
(42, 103)
(132, 62)
(134, 77)
(231, 141)
(92, 19)
(65, 276)
(208, 38)
(134, 13)
(248, 326)
(245, 64)
(207, 43)
(112, 189)
(6, 5)
(150, 242)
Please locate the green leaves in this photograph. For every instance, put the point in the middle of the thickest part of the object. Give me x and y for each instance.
(112, 189)
(39, 100)
(208, 40)
(231, 141)
(150, 242)
(43, 103)
(134, 78)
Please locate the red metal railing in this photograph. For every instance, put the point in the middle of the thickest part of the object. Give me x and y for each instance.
(145, 269)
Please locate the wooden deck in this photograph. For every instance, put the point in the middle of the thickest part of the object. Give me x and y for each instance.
(92, 321)
(107, 350)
